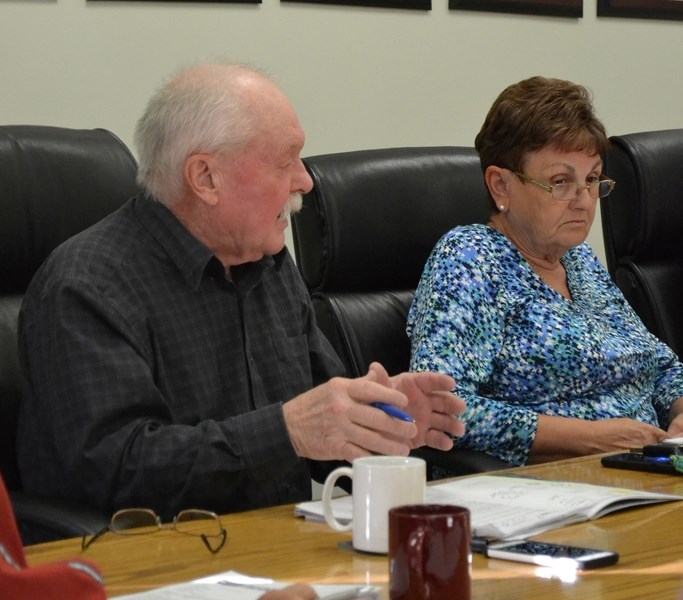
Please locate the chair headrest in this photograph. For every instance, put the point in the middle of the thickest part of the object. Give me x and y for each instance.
(55, 182)
(644, 214)
(374, 216)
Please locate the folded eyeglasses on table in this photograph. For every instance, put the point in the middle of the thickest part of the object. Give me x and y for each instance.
(139, 521)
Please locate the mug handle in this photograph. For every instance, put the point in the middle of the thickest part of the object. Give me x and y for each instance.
(327, 498)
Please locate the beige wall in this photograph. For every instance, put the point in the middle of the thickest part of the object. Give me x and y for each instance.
(360, 77)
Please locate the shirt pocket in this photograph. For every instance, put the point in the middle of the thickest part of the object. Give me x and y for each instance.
(291, 371)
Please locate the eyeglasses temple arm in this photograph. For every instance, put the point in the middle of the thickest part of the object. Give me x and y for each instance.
(85, 545)
(205, 539)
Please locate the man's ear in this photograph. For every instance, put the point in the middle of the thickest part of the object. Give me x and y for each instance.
(202, 178)
(498, 181)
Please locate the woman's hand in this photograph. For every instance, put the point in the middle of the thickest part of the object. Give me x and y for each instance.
(622, 434)
(565, 437)
(676, 419)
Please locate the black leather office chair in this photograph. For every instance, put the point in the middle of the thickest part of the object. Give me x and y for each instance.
(54, 182)
(361, 242)
(642, 221)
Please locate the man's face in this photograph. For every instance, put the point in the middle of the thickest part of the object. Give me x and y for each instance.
(260, 187)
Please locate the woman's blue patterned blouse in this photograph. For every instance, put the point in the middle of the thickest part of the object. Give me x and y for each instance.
(517, 348)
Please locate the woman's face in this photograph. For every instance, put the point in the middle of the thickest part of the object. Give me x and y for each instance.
(542, 225)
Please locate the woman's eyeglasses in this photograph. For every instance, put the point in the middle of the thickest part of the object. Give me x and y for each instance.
(571, 190)
(138, 521)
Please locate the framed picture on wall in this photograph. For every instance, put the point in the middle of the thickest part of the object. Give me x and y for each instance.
(641, 9)
(560, 8)
(209, 1)
(415, 4)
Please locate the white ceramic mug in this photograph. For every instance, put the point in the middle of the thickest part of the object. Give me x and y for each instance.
(379, 483)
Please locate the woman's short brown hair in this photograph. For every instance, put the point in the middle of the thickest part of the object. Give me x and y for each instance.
(536, 113)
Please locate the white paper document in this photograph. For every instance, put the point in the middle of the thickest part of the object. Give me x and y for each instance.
(232, 585)
(507, 507)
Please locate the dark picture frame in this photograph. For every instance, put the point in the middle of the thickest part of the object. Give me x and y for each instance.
(557, 8)
(641, 9)
(203, 1)
(413, 4)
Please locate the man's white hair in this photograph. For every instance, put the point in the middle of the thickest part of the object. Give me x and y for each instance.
(200, 109)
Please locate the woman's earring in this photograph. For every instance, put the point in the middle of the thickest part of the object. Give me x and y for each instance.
(501, 207)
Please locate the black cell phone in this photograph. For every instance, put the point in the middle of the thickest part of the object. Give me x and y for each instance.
(552, 555)
(662, 449)
(636, 461)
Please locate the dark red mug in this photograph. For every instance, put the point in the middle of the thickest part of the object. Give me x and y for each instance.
(429, 552)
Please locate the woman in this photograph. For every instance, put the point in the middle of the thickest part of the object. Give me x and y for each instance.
(548, 355)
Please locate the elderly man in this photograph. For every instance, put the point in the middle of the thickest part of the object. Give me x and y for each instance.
(171, 351)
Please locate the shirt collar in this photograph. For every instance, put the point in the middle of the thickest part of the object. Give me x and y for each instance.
(192, 258)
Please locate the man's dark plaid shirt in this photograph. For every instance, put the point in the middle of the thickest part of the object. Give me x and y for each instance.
(154, 380)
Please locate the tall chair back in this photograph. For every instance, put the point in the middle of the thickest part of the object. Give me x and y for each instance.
(54, 182)
(642, 222)
(361, 242)
(364, 235)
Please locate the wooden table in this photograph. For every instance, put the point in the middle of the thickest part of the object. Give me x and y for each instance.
(273, 543)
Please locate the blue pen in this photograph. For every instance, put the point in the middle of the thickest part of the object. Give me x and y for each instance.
(391, 410)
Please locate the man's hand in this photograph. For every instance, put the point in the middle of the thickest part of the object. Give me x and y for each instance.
(433, 406)
(335, 422)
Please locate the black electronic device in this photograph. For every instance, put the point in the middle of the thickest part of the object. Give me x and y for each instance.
(552, 555)
(637, 461)
(661, 449)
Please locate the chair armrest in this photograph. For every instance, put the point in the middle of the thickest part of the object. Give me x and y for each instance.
(43, 519)
(459, 461)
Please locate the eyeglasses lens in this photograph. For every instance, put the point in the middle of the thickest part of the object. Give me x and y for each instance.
(134, 522)
(599, 189)
(198, 522)
(605, 186)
